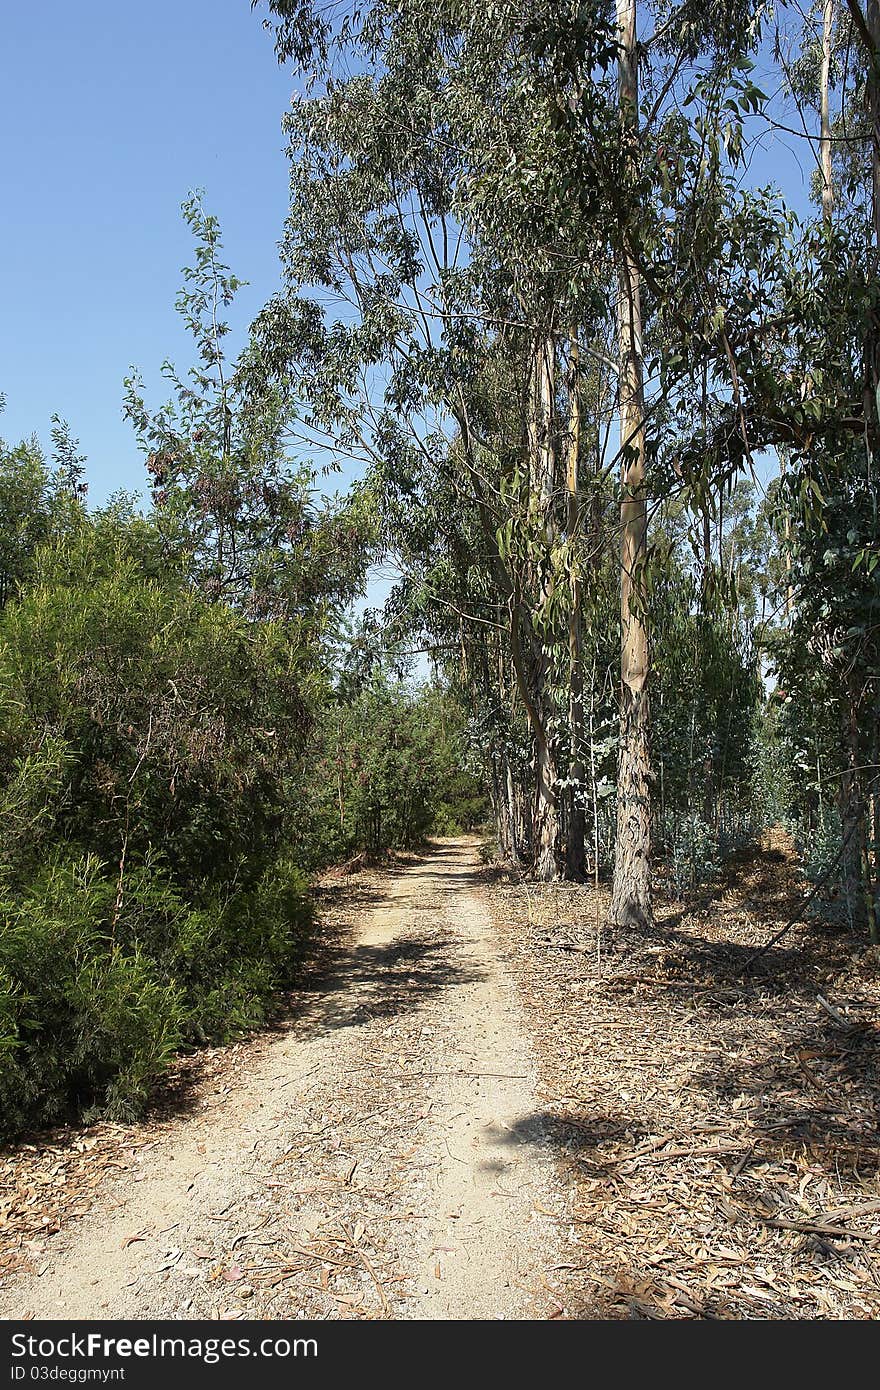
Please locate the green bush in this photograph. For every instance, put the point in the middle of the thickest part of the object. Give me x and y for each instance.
(146, 735)
(820, 846)
(136, 715)
(85, 1022)
(692, 854)
(158, 680)
(230, 954)
(389, 766)
(98, 990)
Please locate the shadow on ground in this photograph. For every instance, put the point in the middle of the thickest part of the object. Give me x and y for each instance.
(815, 1087)
(576, 1138)
(363, 982)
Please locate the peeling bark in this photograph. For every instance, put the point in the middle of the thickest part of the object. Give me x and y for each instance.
(631, 896)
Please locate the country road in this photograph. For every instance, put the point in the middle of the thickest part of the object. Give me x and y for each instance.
(381, 1156)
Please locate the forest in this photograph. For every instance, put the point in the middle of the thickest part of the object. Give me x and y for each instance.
(555, 346)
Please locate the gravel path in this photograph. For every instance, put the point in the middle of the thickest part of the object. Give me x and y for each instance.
(382, 1156)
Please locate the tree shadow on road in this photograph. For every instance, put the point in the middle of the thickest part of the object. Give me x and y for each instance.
(360, 982)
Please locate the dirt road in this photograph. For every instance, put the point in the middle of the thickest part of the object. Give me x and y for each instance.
(381, 1156)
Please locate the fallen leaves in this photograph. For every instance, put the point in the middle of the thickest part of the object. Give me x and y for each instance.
(48, 1182)
(718, 1135)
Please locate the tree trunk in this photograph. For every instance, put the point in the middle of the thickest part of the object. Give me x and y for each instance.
(594, 787)
(875, 802)
(515, 809)
(546, 816)
(575, 858)
(500, 808)
(547, 827)
(825, 134)
(872, 344)
(873, 18)
(508, 811)
(852, 818)
(856, 866)
(631, 896)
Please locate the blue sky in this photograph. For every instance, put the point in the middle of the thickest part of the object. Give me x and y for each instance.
(110, 114)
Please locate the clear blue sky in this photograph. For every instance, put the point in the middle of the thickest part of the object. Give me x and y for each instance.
(110, 113)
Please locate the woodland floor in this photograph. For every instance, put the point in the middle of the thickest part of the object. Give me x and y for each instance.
(474, 1108)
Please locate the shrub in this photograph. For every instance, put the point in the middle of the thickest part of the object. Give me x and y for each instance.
(84, 1022)
(388, 767)
(97, 992)
(691, 852)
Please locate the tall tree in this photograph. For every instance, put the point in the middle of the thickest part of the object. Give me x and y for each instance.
(631, 898)
(471, 191)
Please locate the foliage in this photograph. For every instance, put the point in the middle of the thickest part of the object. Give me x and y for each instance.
(224, 487)
(170, 718)
(159, 676)
(390, 766)
(97, 993)
(145, 735)
(691, 852)
(84, 1022)
(35, 502)
(820, 847)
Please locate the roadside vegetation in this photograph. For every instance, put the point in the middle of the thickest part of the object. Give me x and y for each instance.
(611, 410)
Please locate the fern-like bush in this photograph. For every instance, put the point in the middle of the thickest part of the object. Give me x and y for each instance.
(85, 1022)
(147, 736)
(98, 990)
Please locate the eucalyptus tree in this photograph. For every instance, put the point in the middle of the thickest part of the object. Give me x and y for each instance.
(632, 878)
(689, 254)
(823, 405)
(424, 211)
(487, 197)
